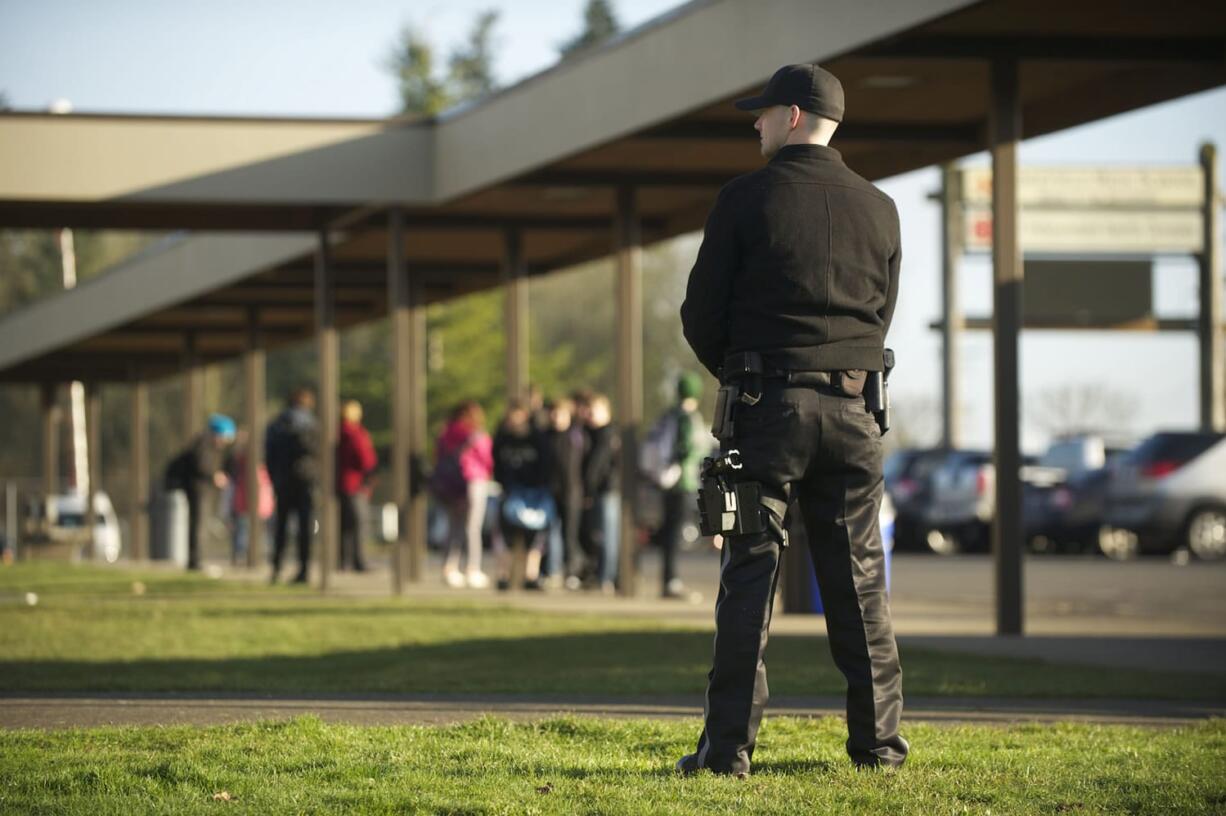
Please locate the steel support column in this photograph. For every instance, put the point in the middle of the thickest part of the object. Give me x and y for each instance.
(1004, 132)
(951, 309)
(515, 314)
(138, 525)
(93, 449)
(1209, 320)
(51, 447)
(254, 381)
(629, 259)
(328, 353)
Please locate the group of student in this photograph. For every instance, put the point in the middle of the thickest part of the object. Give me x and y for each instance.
(557, 467)
(557, 507)
(543, 492)
(288, 477)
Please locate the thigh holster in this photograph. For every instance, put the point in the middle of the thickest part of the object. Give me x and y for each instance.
(727, 506)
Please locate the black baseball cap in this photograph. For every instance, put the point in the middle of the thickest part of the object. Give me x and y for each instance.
(809, 87)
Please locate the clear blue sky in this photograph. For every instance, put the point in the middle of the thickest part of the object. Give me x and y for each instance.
(314, 58)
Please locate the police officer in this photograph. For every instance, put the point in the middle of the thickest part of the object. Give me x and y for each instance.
(788, 304)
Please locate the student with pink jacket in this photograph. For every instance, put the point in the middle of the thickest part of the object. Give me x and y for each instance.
(464, 464)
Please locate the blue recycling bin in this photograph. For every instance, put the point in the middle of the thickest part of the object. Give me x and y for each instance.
(887, 542)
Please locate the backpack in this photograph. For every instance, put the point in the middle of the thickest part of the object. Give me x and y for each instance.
(447, 480)
(658, 453)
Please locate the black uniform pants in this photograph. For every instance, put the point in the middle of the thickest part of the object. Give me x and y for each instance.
(823, 449)
(295, 501)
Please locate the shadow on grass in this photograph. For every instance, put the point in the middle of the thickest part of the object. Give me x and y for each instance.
(795, 767)
(648, 662)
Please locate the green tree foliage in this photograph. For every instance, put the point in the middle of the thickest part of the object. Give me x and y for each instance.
(599, 24)
(413, 64)
(472, 64)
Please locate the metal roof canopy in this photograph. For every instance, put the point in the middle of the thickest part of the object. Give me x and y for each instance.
(544, 158)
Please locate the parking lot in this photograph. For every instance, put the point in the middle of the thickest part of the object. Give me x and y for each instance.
(1064, 595)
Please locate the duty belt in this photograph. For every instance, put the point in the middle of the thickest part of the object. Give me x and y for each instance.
(744, 365)
(743, 373)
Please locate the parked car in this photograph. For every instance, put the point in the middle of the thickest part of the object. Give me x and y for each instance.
(1064, 512)
(957, 516)
(70, 518)
(1170, 493)
(908, 483)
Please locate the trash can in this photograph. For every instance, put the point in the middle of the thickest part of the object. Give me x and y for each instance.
(802, 594)
(168, 527)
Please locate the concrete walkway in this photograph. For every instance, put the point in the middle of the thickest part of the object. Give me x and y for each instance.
(88, 710)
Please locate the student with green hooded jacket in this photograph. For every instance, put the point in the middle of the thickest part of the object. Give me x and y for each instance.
(690, 443)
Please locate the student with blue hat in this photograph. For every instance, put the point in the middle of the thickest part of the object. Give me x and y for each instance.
(200, 467)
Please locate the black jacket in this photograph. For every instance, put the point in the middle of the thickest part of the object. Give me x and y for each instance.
(521, 459)
(194, 467)
(799, 261)
(291, 450)
(600, 461)
(565, 464)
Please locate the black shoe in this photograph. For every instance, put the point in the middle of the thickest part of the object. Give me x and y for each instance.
(503, 584)
(688, 766)
(534, 585)
(300, 578)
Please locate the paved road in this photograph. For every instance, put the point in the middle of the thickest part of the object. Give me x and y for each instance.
(92, 710)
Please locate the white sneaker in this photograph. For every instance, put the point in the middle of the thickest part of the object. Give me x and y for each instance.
(454, 579)
(478, 580)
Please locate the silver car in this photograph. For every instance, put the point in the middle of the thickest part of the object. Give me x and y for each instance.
(1168, 494)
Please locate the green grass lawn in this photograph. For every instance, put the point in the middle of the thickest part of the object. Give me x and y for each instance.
(571, 765)
(89, 632)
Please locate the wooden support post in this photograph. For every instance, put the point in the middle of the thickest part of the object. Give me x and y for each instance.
(193, 389)
(93, 449)
(51, 448)
(400, 314)
(418, 442)
(329, 408)
(1209, 320)
(629, 258)
(138, 526)
(515, 314)
(952, 321)
(254, 379)
(1004, 132)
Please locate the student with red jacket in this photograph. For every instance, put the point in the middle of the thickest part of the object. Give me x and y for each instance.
(355, 461)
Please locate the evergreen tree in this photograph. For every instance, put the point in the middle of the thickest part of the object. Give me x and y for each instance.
(599, 24)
